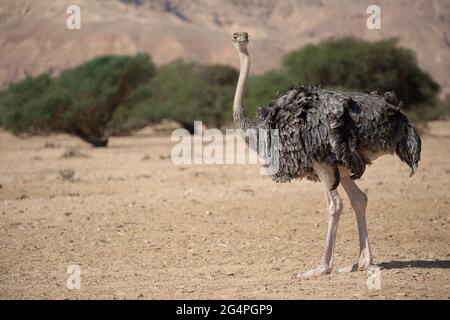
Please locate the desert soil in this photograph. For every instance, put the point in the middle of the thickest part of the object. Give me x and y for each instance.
(141, 227)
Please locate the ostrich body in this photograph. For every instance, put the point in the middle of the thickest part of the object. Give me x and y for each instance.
(330, 136)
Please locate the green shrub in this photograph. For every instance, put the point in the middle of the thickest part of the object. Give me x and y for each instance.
(263, 88)
(185, 92)
(359, 65)
(437, 111)
(81, 101)
(118, 94)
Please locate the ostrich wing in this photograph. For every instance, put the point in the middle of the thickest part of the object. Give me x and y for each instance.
(329, 126)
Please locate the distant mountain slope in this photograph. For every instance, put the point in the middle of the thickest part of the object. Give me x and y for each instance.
(33, 36)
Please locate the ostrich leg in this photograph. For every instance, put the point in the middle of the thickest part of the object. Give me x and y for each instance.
(334, 206)
(359, 202)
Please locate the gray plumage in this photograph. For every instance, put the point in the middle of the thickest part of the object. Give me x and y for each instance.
(335, 127)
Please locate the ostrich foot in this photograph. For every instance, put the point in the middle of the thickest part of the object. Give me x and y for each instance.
(365, 261)
(319, 271)
(356, 267)
(351, 268)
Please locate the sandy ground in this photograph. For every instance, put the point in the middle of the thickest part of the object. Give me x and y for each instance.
(140, 227)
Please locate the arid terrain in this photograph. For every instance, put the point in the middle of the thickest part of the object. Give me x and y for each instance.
(140, 227)
(34, 37)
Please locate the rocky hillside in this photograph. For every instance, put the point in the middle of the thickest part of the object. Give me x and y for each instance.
(34, 38)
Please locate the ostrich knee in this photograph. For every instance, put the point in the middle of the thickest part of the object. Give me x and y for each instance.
(335, 206)
(359, 201)
(334, 212)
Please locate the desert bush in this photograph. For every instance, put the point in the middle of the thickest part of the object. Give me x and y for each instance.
(359, 65)
(263, 88)
(440, 110)
(119, 94)
(184, 92)
(81, 101)
(21, 104)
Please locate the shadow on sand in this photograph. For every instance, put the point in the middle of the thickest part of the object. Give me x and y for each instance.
(421, 264)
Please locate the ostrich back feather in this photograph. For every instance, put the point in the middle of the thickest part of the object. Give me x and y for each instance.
(337, 128)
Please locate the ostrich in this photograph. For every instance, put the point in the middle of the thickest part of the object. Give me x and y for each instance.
(330, 136)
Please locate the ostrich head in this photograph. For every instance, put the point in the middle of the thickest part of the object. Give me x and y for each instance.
(240, 40)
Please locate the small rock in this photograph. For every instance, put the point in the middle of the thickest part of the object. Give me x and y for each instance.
(67, 174)
(208, 212)
(50, 145)
(73, 153)
(248, 190)
(143, 176)
(67, 213)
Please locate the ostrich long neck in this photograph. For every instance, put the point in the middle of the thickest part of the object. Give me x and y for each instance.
(241, 120)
